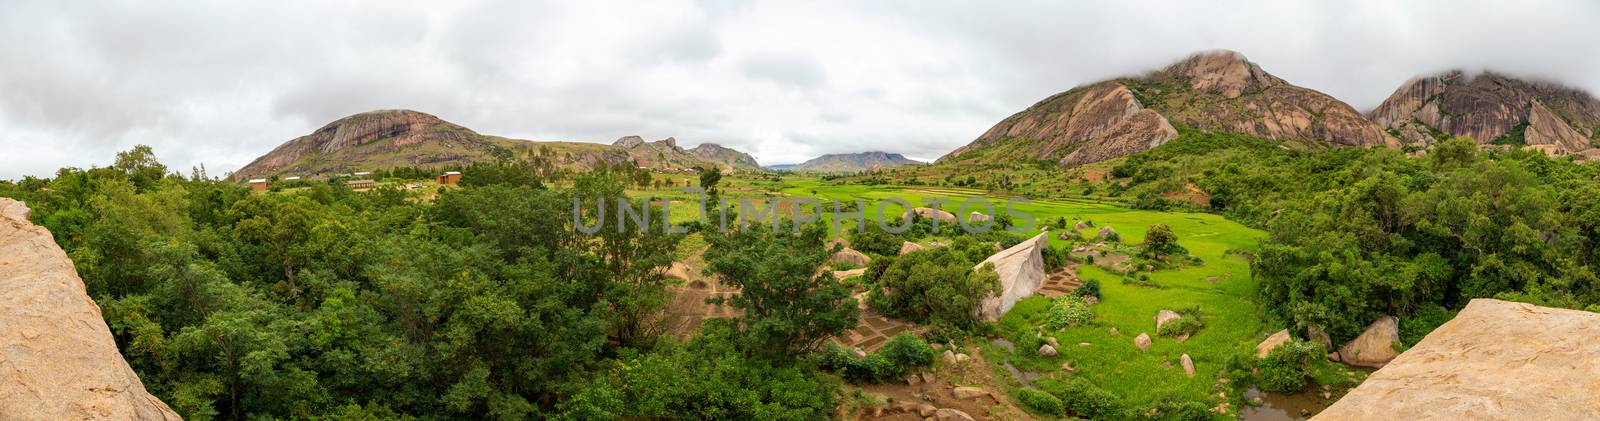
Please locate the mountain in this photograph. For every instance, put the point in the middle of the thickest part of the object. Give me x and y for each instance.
(1217, 90)
(404, 138)
(724, 155)
(854, 162)
(1493, 108)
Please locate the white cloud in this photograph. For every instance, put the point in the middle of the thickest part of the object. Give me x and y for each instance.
(223, 82)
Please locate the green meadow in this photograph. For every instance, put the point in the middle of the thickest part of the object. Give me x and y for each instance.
(1233, 322)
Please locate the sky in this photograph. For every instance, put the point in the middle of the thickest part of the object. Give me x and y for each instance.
(220, 83)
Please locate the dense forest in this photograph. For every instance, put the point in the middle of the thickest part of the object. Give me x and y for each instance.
(482, 302)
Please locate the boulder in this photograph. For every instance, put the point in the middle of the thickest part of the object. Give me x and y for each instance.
(59, 360)
(907, 247)
(965, 392)
(1052, 341)
(978, 217)
(1164, 316)
(1021, 270)
(1082, 225)
(1495, 360)
(1318, 336)
(1188, 365)
(841, 242)
(931, 213)
(1274, 341)
(851, 257)
(1142, 341)
(1375, 346)
(1106, 231)
(1047, 351)
(951, 414)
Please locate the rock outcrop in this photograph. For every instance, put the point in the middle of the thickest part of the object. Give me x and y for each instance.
(1492, 108)
(851, 257)
(395, 138)
(907, 247)
(1375, 346)
(727, 157)
(58, 360)
(1021, 270)
(1272, 342)
(1219, 90)
(1496, 360)
(931, 213)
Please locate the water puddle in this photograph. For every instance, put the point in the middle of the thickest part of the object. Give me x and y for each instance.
(1281, 407)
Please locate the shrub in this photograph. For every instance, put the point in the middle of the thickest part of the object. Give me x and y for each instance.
(1187, 323)
(907, 350)
(876, 241)
(1040, 401)
(897, 357)
(1083, 399)
(1090, 288)
(933, 285)
(1068, 310)
(1284, 370)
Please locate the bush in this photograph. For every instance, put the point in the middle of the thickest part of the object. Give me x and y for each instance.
(1285, 369)
(934, 285)
(1188, 322)
(898, 357)
(1090, 288)
(906, 350)
(876, 241)
(1068, 310)
(1083, 399)
(1040, 401)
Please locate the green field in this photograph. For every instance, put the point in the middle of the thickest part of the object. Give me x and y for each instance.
(1233, 322)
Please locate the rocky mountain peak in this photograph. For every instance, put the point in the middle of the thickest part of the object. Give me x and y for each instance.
(1222, 72)
(628, 141)
(1492, 108)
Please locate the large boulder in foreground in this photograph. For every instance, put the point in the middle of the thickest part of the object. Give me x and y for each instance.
(1021, 270)
(57, 358)
(1375, 346)
(1495, 360)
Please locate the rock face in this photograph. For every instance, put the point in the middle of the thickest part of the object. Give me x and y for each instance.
(728, 157)
(1375, 346)
(1021, 270)
(1218, 90)
(854, 162)
(1495, 360)
(850, 256)
(57, 358)
(1492, 108)
(1272, 342)
(392, 138)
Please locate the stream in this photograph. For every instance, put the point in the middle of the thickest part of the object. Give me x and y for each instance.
(1281, 407)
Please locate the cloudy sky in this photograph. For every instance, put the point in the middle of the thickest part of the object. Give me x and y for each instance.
(220, 83)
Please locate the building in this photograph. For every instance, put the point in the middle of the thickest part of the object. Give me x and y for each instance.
(361, 184)
(259, 184)
(291, 178)
(448, 178)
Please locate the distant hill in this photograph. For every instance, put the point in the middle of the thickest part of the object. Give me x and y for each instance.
(854, 162)
(782, 167)
(1218, 90)
(404, 138)
(1493, 108)
(666, 154)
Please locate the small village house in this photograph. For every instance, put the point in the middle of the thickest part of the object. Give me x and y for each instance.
(361, 184)
(259, 184)
(449, 178)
